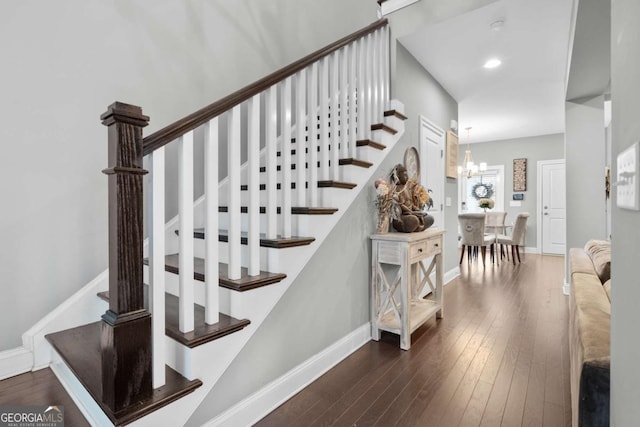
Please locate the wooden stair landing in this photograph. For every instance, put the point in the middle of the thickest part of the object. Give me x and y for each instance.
(80, 349)
(203, 333)
(245, 282)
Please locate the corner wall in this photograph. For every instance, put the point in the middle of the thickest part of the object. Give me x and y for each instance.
(585, 152)
(625, 298)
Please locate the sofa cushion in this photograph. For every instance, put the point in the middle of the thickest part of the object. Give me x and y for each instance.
(607, 288)
(600, 253)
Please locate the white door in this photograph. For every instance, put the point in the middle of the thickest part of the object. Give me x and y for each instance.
(553, 209)
(432, 167)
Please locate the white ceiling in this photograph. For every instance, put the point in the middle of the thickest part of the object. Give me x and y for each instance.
(525, 95)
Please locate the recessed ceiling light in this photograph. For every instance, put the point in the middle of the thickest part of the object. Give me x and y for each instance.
(497, 25)
(492, 63)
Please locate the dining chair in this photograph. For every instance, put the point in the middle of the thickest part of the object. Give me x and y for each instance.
(494, 222)
(517, 236)
(472, 231)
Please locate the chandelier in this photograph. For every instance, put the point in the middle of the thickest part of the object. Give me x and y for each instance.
(468, 167)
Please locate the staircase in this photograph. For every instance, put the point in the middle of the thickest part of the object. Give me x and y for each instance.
(178, 307)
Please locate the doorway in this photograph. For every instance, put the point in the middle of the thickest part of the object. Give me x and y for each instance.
(432, 139)
(552, 229)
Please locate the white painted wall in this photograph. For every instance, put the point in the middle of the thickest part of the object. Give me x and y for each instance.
(64, 63)
(625, 316)
(585, 160)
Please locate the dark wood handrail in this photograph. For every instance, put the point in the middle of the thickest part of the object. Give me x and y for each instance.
(192, 121)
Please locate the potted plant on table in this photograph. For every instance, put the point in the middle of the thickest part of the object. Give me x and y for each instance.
(486, 203)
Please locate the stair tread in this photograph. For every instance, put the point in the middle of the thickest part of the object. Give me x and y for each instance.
(321, 184)
(80, 349)
(245, 282)
(356, 162)
(370, 143)
(263, 169)
(395, 113)
(279, 242)
(382, 126)
(296, 210)
(202, 333)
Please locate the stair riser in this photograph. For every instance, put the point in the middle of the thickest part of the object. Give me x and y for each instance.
(172, 283)
(232, 303)
(268, 256)
(326, 194)
(361, 152)
(301, 225)
(394, 122)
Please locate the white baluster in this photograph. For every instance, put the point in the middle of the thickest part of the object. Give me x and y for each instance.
(271, 124)
(324, 118)
(344, 103)
(233, 165)
(380, 74)
(285, 131)
(375, 61)
(212, 299)
(156, 263)
(335, 116)
(301, 134)
(387, 72)
(361, 98)
(312, 112)
(368, 85)
(185, 209)
(353, 85)
(253, 164)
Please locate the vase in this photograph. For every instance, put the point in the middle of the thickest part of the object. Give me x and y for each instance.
(428, 221)
(383, 222)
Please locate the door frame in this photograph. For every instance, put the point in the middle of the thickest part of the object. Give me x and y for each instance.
(423, 120)
(542, 163)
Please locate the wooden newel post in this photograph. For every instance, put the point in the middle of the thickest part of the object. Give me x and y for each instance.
(126, 326)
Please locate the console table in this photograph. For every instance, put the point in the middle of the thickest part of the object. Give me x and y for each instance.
(397, 306)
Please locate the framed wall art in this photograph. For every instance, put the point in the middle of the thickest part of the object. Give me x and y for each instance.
(452, 155)
(519, 174)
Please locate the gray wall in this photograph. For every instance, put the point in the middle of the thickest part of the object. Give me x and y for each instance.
(64, 63)
(422, 95)
(534, 149)
(585, 152)
(625, 316)
(330, 298)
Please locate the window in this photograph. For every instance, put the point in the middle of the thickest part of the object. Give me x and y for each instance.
(488, 183)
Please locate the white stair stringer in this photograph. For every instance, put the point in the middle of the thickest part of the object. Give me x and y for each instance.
(209, 361)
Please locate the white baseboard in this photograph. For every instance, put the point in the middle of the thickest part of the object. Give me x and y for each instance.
(262, 402)
(566, 288)
(81, 308)
(15, 362)
(451, 274)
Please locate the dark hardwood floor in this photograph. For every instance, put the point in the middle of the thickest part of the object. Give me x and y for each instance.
(40, 388)
(498, 357)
